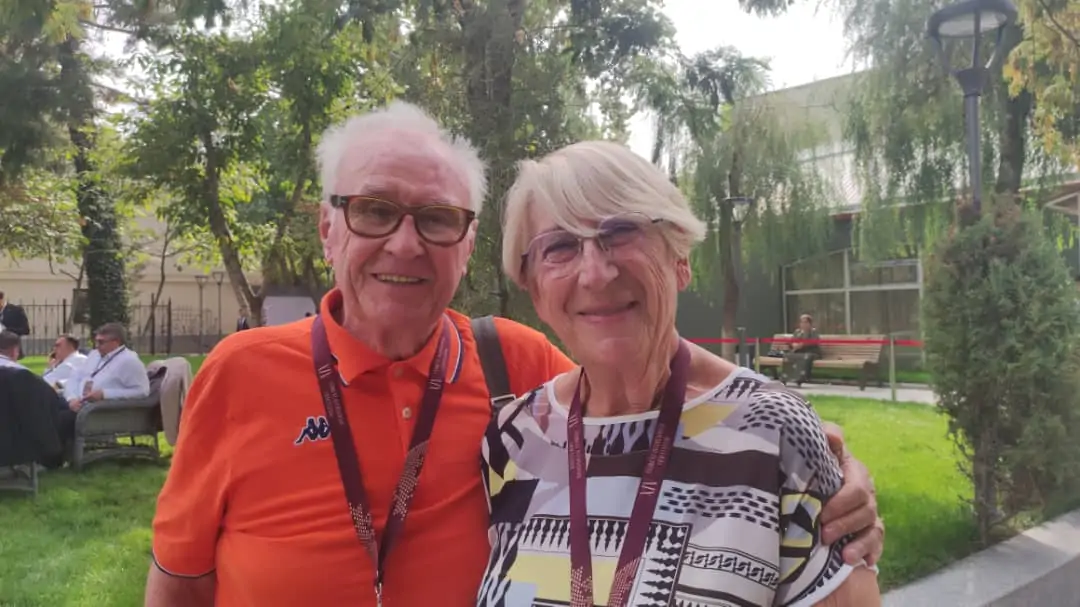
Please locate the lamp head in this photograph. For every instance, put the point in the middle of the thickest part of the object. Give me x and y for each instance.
(970, 20)
(740, 207)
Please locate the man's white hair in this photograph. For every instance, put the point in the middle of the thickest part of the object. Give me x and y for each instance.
(355, 133)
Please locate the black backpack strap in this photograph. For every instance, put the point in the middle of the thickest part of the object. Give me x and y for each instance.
(490, 350)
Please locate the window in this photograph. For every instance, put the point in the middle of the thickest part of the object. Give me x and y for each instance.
(827, 309)
(825, 272)
(883, 295)
(902, 271)
(894, 312)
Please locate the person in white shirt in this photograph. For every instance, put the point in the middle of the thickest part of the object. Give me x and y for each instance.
(65, 360)
(111, 371)
(9, 349)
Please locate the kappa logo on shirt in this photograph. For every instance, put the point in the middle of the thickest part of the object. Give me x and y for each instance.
(315, 429)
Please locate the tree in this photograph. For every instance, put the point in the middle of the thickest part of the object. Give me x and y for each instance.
(525, 75)
(1047, 64)
(905, 120)
(722, 138)
(1001, 333)
(40, 218)
(193, 141)
(999, 312)
(45, 60)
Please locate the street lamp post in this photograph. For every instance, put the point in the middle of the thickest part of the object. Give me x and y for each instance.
(969, 20)
(200, 279)
(219, 277)
(740, 207)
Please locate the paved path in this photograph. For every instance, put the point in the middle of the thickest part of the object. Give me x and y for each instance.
(905, 394)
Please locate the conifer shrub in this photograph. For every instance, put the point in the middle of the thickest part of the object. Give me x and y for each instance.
(1001, 327)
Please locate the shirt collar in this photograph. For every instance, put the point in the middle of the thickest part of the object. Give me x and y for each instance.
(354, 358)
(6, 361)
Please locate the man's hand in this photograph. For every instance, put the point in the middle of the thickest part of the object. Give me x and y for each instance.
(853, 510)
(75, 404)
(96, 395)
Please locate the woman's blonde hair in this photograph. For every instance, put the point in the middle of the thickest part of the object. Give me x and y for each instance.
(588, 181)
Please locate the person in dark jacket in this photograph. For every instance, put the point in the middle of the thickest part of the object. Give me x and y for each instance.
(242, 323)
(29, 412)
(13, 317)
(805, 349)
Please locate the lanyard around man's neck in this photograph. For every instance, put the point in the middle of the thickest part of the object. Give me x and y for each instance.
(108, 358)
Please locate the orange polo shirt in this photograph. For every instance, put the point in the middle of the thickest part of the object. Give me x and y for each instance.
(256, 499)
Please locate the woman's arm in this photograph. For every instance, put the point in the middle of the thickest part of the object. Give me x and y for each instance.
(860, 589)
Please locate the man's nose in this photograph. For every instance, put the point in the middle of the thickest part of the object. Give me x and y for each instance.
(405, 242)
(594, 266)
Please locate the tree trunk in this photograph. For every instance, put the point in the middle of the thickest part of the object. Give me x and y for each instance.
(103, 252)
(219, 227)
(490, 43)
(1012, 133)
(983, 468)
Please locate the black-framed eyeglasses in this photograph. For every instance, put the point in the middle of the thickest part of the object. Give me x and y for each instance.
(558, 249)
(438, 224)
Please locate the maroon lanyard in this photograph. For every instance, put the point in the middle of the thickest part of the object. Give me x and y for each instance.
(581, 582)
(345, 450)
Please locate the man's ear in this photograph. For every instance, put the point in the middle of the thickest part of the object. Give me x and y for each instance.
(683, 274)
(326, 220)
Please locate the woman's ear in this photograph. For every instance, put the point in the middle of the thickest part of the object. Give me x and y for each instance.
(683, 275)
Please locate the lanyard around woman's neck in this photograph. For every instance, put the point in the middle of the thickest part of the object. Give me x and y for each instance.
(641, 514)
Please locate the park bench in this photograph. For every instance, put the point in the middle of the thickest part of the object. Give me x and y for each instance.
(864, 357)
(774, 362)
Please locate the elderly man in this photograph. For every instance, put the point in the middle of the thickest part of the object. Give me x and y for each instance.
(310, 469)
(65, 360)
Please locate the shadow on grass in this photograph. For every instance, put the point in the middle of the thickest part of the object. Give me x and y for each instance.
(85, 540)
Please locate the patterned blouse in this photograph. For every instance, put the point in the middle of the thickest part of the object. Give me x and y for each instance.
(737, 520)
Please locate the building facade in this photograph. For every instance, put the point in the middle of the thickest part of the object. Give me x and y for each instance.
(844, 294)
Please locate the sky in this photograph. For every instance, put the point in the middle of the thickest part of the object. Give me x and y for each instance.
(803, 45)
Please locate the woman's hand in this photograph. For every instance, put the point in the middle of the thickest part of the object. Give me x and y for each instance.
(853, 510)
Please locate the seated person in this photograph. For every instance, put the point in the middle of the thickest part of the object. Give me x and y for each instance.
(63, 361)
(799, 361)
(111, 371)
(28, 411)
(9, 350)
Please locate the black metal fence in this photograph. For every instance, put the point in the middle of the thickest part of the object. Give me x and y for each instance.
(153, 329)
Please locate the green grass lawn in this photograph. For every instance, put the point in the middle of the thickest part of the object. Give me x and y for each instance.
(85, 540)
(921, 492)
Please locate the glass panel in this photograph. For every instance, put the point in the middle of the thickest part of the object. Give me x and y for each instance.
(885, 312)
(826, 272)
(827, 309)
(901, 271)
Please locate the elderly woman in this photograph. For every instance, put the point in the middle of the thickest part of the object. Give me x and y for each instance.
(656, 473)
